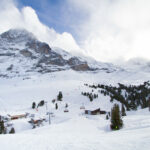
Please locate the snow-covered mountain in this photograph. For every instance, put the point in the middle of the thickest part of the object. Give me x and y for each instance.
(21, 54)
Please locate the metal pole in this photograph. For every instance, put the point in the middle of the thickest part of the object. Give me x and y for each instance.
(46, 105)
(49, 118)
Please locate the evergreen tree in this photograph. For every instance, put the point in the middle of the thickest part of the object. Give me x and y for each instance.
(12, 131)
(41, 103)
(60, 96)
(116, 121)
(56, 106)
(107, 117)
(123, 113)
(2, 127)
(91, 97)
(149, 105)
(66, 106)
(33, 105)
(111, 98)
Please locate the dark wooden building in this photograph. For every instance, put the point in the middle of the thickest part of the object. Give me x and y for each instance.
(95, 112)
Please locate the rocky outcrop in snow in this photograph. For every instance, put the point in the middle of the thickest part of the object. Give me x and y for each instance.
(21, 49)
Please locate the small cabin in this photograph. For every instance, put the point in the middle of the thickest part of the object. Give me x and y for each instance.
(37, 122)
(95, 112)
(66, 110)
(102, 112)
(82, 107)
(18, 116)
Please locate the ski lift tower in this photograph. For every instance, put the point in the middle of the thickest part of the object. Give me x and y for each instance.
(46, 104)
(49, 113)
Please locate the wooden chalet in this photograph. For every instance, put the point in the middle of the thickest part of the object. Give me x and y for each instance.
(36, 122)
(95, 112)
(18, 116)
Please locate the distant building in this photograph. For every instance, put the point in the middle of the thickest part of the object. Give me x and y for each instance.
(66, 110)
(95, 112)
(36, 122)
(18, 116)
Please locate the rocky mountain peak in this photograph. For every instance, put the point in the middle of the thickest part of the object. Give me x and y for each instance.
(17, 35)
(21, 53)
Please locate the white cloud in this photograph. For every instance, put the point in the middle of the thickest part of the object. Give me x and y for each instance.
(115, 29)
(12, 17)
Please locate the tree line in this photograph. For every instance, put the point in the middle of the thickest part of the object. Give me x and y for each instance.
(131, 96)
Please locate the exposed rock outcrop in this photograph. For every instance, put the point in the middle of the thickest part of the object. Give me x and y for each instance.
(24, 51)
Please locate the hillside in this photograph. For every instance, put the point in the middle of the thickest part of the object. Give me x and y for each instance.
(26, 78)
(73, 128)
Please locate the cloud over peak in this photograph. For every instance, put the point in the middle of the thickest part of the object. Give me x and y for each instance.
(111, 29)
(26, 17)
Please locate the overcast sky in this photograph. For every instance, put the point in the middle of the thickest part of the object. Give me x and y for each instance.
(107, 30)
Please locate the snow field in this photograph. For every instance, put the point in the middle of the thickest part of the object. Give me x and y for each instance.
(72, 130)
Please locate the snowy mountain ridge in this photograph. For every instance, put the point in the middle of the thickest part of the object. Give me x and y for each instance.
(22, 54)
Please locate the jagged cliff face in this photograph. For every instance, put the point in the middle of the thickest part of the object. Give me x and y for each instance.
(22, 54)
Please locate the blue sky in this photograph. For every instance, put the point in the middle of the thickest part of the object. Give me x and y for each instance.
(57, 14)
(48, 11)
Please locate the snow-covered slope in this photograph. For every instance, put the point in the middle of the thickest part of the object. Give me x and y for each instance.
(72, 130)
(39, 73)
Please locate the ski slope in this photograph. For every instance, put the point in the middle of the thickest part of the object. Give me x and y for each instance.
(72, 130)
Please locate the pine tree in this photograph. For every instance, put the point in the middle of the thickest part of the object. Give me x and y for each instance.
(116, 121)
(123, 113)
(149, 105)
(60, 96)
(12, 131)
(91, 97)
(41, 103)
(107, 117)
(33, 105)
(56, 106)
(2, 127)
(66, 105)
(111, 99)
